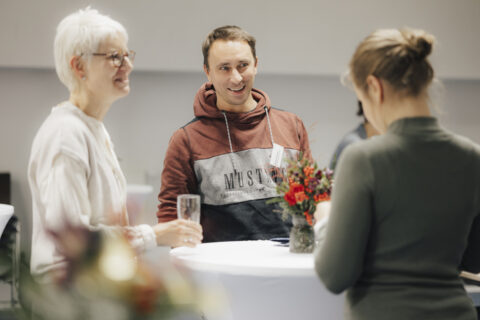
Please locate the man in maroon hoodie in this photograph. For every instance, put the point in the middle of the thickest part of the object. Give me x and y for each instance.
(229, 150)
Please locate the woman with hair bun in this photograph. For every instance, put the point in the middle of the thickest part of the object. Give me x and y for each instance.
(404, 218)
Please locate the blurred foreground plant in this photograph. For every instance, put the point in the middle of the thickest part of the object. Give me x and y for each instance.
(106, 279)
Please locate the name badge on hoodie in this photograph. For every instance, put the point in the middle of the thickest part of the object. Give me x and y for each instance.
(277, 155)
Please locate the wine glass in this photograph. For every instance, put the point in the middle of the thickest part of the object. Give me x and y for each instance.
(188, 207)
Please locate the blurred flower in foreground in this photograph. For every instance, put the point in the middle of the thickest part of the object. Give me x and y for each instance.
(106, 279)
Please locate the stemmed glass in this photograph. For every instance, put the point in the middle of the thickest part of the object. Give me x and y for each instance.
(188, 207)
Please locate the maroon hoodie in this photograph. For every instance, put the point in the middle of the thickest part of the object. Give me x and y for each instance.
(225, 157)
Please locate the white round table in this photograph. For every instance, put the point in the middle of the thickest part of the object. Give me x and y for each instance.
(262, 280)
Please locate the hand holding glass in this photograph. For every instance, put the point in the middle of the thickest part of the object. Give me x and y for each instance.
(188, 207)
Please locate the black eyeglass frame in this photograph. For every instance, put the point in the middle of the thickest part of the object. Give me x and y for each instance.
(117, 59)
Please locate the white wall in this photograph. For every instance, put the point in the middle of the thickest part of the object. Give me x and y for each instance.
(296, 37)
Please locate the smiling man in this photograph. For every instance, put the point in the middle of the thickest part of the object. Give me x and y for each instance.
(230, 152)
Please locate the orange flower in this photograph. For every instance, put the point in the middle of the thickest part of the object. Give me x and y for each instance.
(300, 196)
(308, 171)
(308, 217)
(321, 197)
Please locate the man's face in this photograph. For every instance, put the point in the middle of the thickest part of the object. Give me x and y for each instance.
(232, 70)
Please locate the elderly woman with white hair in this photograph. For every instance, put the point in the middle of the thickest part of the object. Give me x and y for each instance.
(74, 175)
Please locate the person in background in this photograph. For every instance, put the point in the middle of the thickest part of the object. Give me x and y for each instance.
(74, 175)
(228, 152)
(364, 131)
(404, 216)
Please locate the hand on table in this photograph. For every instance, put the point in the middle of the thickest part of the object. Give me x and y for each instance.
(178, 233)
(321, 218)
(322, 211)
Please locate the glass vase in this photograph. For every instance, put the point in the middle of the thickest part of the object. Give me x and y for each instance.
(302, 236)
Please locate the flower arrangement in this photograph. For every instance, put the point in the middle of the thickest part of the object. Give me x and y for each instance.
(304, 186)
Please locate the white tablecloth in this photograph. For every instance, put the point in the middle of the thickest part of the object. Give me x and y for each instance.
(262, 280)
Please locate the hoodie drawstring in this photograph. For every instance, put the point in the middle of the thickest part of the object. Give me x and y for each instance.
(230, 138)
(230, 142)
(269, 126)
(228, 128)
(228, 131)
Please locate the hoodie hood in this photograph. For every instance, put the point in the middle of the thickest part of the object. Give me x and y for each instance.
(205, 105)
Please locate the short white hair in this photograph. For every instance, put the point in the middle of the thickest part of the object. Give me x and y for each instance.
(81, 33)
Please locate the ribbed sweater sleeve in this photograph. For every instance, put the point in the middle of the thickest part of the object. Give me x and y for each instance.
(178, 176)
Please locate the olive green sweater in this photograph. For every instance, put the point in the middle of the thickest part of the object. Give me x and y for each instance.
(404, 221)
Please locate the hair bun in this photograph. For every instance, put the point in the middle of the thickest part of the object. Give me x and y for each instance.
(418, 43)
(397, 56)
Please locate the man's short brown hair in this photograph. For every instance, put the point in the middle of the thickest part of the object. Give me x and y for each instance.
(227, 33)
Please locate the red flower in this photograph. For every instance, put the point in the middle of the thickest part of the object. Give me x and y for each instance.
(296, 188)
(290, 198)
(291, 195)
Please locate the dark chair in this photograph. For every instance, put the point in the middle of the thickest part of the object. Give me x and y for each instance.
(5, 188)
(9, 244)
(10, 258)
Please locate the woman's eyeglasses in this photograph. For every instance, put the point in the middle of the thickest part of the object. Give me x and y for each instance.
(118, 58)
